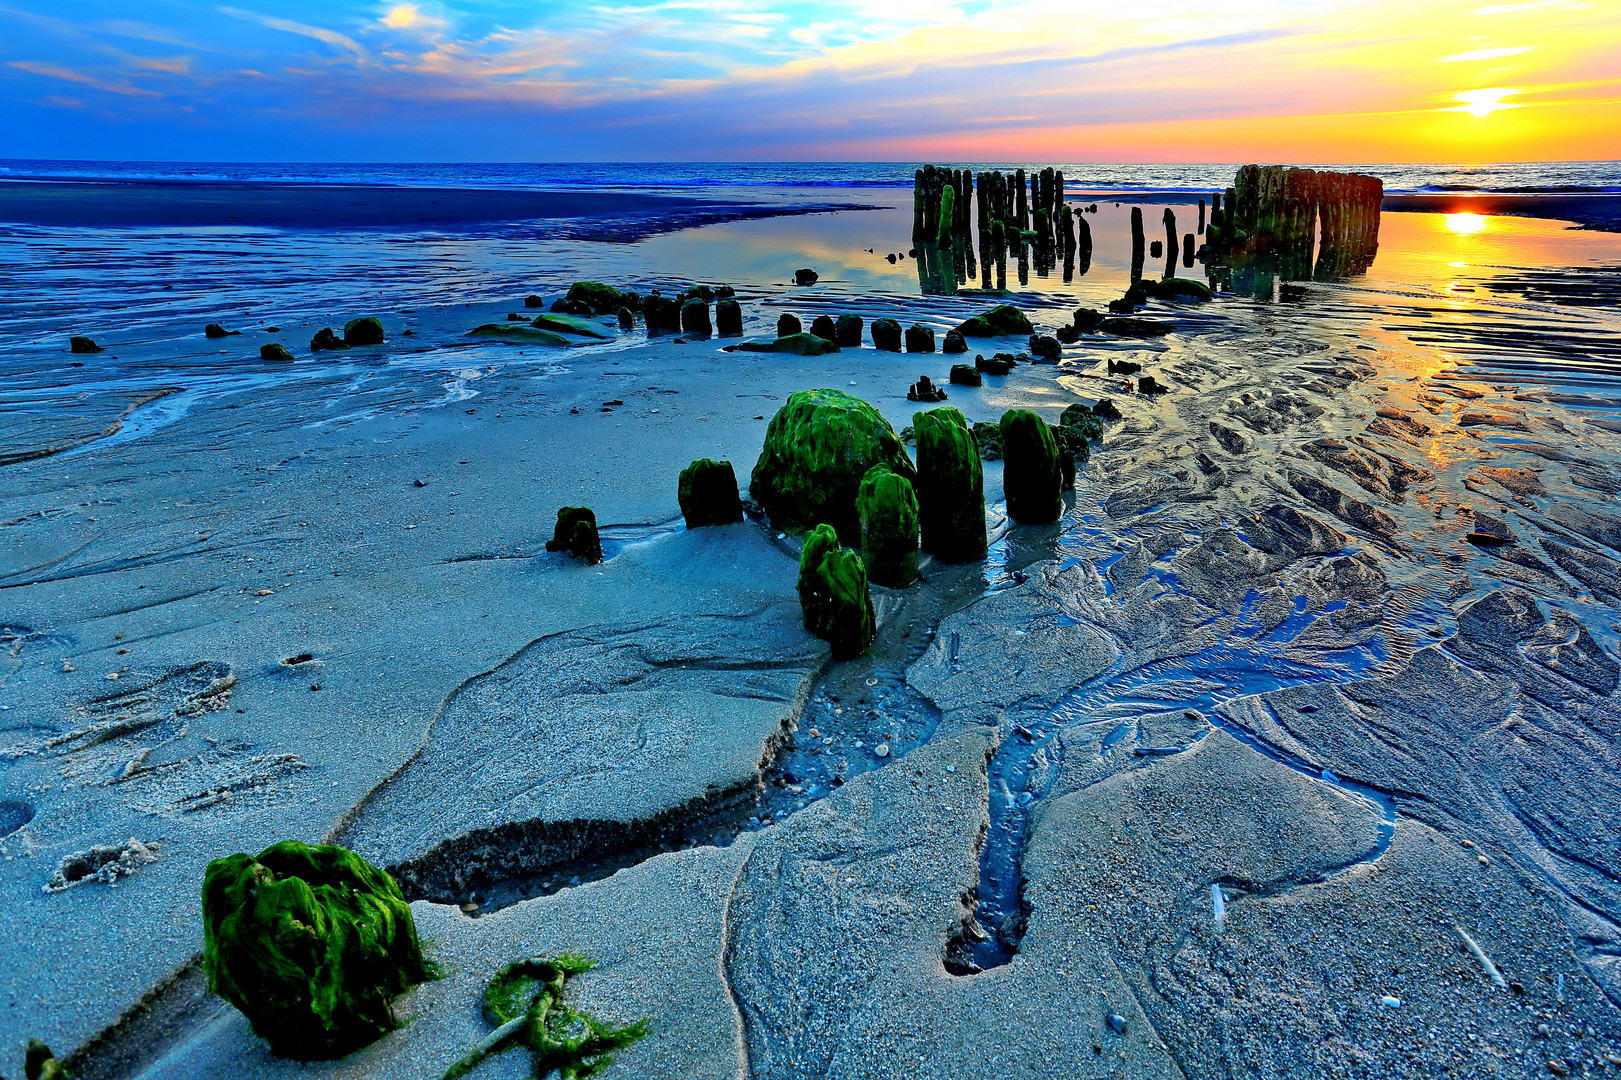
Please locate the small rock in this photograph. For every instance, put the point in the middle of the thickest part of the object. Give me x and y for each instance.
(82, 345)
(1558, 1068)
(881, 750)
(951, 768)
(1390, 1001)
(1118, 1023)
(419, 483)
(806, 276)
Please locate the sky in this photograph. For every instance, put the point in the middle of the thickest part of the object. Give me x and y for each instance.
(806, 80)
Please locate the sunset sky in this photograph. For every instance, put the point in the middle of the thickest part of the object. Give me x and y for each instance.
(510, 80)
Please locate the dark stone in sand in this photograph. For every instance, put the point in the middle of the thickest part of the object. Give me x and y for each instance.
(215, 330)
(999, 321)
(788, 324)
(600, 299)
(275, 351)
(1107, 409)
(627, 318)
(925, 391)
(728, 317)
(534, 300)
(707, 492)
(82, 345)
(576, 533)
(847, 331)
(1043, 347)
(1000, 364)
(326, 341)
(817, 448)
(363, 331)
(888, 510)
(1123, 327)
(950, 486)
(822, 326)
(1087, 319)
(833, 594)
(886, 335)
(1147, 385)
(798, 344)
(1067, 335)
(1122, 307)
(312, 944)
(1123, 367)
(966, 375)
(695, 318)
(696, 292)
(1232, 440)
(1032, 477)
(1083, 421)
(723, 291)
(919, 338)
(805, 276)
(954, 343)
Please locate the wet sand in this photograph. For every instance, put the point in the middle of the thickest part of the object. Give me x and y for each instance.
(1587, 210)
(1287, 733)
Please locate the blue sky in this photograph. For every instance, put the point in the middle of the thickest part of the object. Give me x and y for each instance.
(503, 80)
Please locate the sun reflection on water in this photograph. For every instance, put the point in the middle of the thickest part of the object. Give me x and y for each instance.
(1466, 224)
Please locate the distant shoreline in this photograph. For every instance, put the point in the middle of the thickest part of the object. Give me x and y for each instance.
(1590, 211)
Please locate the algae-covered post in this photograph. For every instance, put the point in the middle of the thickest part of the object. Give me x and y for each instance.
(707, 494)
(833, 594)
(1031, 477)
(950, 486)
(888, 509)
(576, 533)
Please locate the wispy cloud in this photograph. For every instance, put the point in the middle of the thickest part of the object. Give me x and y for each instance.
(54, 71)
(319, 33)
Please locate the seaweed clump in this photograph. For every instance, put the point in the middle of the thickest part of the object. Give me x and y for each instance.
(833, 594)
(40, 1064)
(889, 521)
(707, 492)
(576, 533)
(817, 449)
(560, 1038)
(312, 944)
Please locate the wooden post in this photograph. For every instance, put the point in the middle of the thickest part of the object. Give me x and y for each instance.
(1136, 244)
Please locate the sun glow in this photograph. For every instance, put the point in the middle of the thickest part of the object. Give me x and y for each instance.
(1483, 102)
(402, 16)
(1465, 224)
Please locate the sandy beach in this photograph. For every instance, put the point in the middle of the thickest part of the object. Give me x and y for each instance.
(1277, 766)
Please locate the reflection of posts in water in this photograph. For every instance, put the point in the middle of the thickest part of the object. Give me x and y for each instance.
(1136, 244)
(1083, 246)
(1187, 250)
(1024, 262)
(1200, 230)
(999, 245)
(1171, 246)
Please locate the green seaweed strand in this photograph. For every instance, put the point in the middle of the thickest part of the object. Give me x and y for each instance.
(561, 1039)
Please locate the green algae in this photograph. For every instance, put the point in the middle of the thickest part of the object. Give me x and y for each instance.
(888, 509)
(525, 1004)
(1032, 475)
(817, 448)
(40, 1064)
(601, 299)
(275, 353)
(1003, 320)
(571, 324)
(950, 486)
(707, 492)
(833, 594)
(312, 944)
(522, 334)
(576, 533)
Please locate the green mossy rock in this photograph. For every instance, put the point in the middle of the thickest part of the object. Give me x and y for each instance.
(276, 353)
(1032, 476)
(1003, 320)
(365, 331)
(1083, 421)
(521, 335)
(950, 486)
(576, 533)
(695, 318)
(312, 944)
(707, 492)
(888, 510)
(573, 324)
(728, 317)
(804, 345)
(833, 594)
(1183, 288)
(817, 448)
(82, 345)
(601, 299)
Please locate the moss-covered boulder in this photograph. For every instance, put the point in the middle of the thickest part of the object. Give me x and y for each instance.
(707, 492)
(817, 448)
(1181, 288)
(363, 331)
(847, 331)
(1003, 320)
(312, 944)
(82, 345)
(950, 486)
(919, 338)
(695, 318)
(804, 345)
(601, 299)
(522, 334)
(788, 324)
(276, 353)
(1082, 420)
(833, 594)
(1031, 476)
(886, 335)
(576, 533)
(728, 317)
(888, 509)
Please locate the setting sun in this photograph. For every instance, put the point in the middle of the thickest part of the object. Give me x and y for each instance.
(1466, 224)
(1483, 102)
